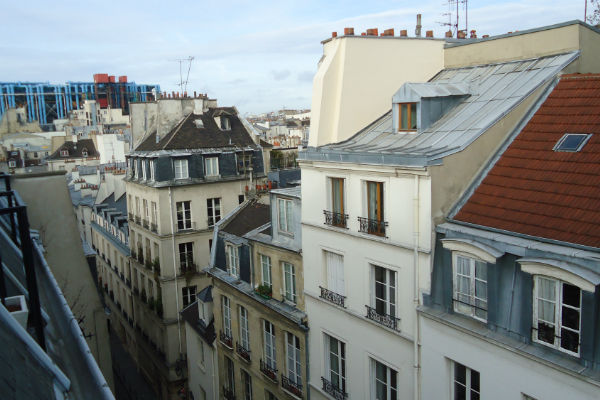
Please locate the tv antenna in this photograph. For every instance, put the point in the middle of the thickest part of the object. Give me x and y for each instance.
(454, 8)
(183, 83)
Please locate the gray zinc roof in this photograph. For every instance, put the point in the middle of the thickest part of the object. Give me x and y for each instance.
(495, 89)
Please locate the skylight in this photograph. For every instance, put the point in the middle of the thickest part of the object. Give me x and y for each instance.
(572, 142)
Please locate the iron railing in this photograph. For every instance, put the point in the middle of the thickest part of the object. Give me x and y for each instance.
(242, 351)
(372, 226)
(333, 218)
(333, 390)
(333, 297)
(269, 371)
(226, 339)
(291, 386)
(386, 320)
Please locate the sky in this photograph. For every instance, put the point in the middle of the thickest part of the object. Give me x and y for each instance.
(256, 55)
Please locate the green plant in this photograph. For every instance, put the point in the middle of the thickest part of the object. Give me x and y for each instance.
(156, 265)
(159, 306)
(265, 290)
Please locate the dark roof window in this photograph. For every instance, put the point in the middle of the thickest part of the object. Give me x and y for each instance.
(572, 142)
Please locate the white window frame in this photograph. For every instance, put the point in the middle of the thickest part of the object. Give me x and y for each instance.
(230, 371)
(558, 314)
(341, 362)
(289, 271)
(388, 384)
(265, 267)
(469, 307)
(180, 167)
(269, 344)
(12, 164)
(244, 328)
(233, 259)
(214, 217)
(154, 212)
(64, 153)
(144, 170)
(188, 294)
(145, 208)
(391, 308)
(152, 173)
(293, 360)
(226, 309)
(211, 166)
(284, 215)
(335, 274)
(468, 381)
(186, 207)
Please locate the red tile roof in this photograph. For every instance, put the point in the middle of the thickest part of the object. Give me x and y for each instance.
(537, 191)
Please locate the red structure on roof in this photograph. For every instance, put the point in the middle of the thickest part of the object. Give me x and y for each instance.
(536, 190)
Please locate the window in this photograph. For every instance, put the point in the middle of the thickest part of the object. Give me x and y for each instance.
(289, 282)
(12, 164)
(225, 123)
(337, 202)
(269, 395)
(244, 329)
(226, 316)
(265, 263)
(230, 382)
(247, 384)
(144, 169)
(64, 153)
(335, 359)
(335, 272)
(407, 113)
(181, 168)
(188, 295)
(572, 142)
(146, 211)
(465, 383)
(213, 208)
(285, 215)
(233, 260)
(184, 215)
(84, 153)
(374, 223)
(152, 176)
(384, 382)
(470, 286)
(557, 314)
(240, 199)
(154, 214)
(269, 337)
(384, 294)
(211, 166)
(137, 206)
(136, 169)
(293, 365)
(186, 256)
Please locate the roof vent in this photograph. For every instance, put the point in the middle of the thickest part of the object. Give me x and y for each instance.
(199, 123)
(572, 142)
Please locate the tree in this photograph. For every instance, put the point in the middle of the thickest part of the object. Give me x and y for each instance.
(593, 18)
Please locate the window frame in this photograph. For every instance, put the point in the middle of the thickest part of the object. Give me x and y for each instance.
(226, 313)
(410, 114)
(468, 381)
(144, 173)
(180, 168)
(558, 314)
(341, 362)
(187, 295)
(213, 211)
(269, 281)
(232, 253)
(152, 173)
(342, 187)
(269, 344)
(473, 279)
(388, 383)
(388, 289)
(184, 216)
(284, 224)
(244, 328)
(293, 358)
(246, 384)
(213, 163)
(289, 294)
(186, 257)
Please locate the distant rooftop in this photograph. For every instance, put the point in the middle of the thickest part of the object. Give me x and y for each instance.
(295, 191)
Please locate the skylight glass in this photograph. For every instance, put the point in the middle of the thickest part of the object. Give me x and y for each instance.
(572, 142)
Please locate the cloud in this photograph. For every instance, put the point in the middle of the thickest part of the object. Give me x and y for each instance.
(306, 76)
(280, 75)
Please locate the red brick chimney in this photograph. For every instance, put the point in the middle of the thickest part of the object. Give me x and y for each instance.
(403, 33)
(429, 34)
(348, 31)
(333, 34)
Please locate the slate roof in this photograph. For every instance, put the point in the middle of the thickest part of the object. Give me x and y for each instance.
(537, 191)
(190, 315)
(187, 135)
(495, 90)
(249, 218)
(75, 149)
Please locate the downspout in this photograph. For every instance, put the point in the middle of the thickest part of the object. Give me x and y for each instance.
(307, 380)
(416, 355)
(175, 268)
(214, 376)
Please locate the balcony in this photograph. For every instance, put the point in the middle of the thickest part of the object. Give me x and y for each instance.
(130, 215)
(372, 226)
(333, 297)
(268, 371)
(228, 393)
(333, 218)
(138, 219)
(386, 320)
(333, 390)
(226, 340)
(145, 224)
(153, 227)
(291, 386)
(242, 351)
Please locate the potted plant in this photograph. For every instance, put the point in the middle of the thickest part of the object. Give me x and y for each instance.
(156, 265)
(264, 291)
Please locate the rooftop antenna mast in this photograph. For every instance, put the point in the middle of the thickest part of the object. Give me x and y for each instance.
(454, 8)
(183, 83)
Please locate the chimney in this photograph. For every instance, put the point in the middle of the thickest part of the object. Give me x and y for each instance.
(449, 34)
(363, 34)
(429, 34)
(348, 31)
(194, 94)
(485, 36)
(333, 34)
(419, 26)
(184, 94)
(403, 33)
(388, 32)
(372, 32)
(473, 34)
(461, 34)
(164, 95)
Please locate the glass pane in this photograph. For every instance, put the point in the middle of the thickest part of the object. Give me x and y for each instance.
(460, 373)
(571, 295)
(546, 289)
(475, 380)
(569, 340)
(570, 318)
(413, 116)
(459, 392)
(546, 332)
(481, 270)
(480, 289)
(403, 117)
(546, 311)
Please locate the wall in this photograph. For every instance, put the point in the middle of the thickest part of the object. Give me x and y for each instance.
(362, 73)
(200, 375)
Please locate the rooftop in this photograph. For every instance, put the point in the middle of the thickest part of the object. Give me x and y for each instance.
(295, 191)
(495, 89)
(75, 150)
(535, 190)
(250, 217)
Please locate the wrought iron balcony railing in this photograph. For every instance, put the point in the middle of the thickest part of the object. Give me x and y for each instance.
(372, 226)
(242, 351)
(333, 297)
(333, 390)
(153, 227)
(226, 339)
(386, 320)
(333, 218)
(291, 386)
(268, 370)
(138, 219)
(145, 224)
(130, 215)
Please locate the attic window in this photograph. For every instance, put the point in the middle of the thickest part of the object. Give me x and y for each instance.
(225, 123)
(84, 152)
(572, 142)
(64, 153)
(407, 113)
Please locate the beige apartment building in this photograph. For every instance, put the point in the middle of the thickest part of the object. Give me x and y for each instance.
(259, 319)
(182, 179)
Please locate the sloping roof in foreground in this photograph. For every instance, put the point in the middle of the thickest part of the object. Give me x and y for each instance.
(252, 216)
(495, 90)
(537, 191)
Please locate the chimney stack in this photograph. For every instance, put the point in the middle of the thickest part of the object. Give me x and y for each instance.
(461, 34)
(449, 34)
(348, 31)
(473, 34)
(403, 33)
(429, 34)
(195, 94)
(388, 32)
(372, 32)
(333, 34)
(419, 26)
(485, 36)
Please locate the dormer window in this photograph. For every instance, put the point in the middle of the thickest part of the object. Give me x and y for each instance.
(181, 168)
(84, 152)
(407, 113)
(64, 153)
(225, 123)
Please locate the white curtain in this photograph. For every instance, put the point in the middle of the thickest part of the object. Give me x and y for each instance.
(335, 273)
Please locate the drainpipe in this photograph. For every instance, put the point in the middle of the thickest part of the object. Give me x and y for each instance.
(416, 355)
(175, 268)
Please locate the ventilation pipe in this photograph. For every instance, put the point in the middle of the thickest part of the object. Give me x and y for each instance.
(419, 26)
